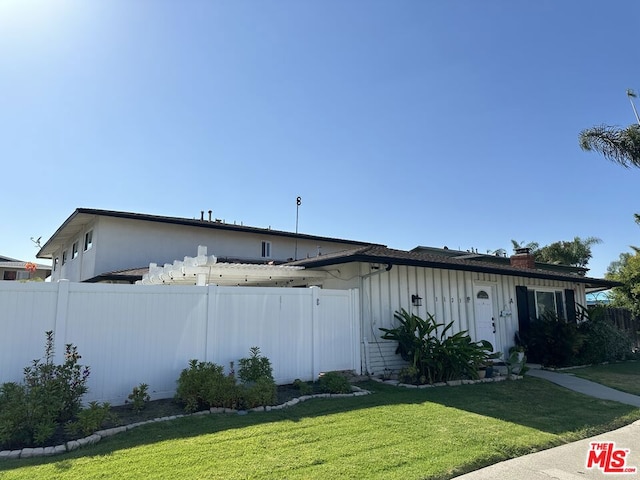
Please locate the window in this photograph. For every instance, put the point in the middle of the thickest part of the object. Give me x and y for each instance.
(549, 302)
(64, 257)
(74, 250)
(266, 249)
(55, 264)
(10, 275)
(88, 240)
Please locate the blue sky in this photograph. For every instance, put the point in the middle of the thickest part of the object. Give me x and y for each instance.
(398, 122)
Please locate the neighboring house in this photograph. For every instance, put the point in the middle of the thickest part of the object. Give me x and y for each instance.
(13, 269)
(102, 245)
(491, 300)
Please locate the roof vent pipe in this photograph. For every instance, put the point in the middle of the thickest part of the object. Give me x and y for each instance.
(210, 215)
(201, 214)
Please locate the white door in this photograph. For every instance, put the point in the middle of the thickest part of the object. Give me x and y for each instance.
(485, 322)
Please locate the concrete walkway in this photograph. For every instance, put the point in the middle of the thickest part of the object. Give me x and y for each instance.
(569, 462)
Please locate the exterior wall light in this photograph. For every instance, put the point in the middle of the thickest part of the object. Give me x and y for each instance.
(416, 300)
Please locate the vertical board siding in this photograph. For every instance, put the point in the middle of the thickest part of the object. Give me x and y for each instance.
(132, 334)
(446, 294)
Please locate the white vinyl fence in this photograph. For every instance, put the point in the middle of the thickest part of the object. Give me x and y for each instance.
(132, 334)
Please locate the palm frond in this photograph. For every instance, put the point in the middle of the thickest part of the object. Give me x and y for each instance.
(620, 145)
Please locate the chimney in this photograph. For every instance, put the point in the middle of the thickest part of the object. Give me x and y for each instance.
(210, 211)
(201, 214)
(523, 259)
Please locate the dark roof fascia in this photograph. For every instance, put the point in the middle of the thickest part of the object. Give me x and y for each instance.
(485, 257)
(113, 277)
(194, 223)
(472, 267)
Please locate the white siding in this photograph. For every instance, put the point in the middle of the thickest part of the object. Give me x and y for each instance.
(120, 244)
(446, 294)
(131, 334)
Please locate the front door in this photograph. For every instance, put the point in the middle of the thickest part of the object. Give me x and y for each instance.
(485, 323)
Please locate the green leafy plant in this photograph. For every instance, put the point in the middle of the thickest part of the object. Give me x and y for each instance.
(553, 341)
(304, 387)
(254, 367)
(603, 341)
(334, 382)
(433, 354)
(49, 396)
(91, 419)
(197, 385)
(139, 397)
(259, 393)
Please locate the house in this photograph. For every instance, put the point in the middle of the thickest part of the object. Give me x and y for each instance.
(491, 300)
(13, 269)
(490, 297)
(117, 247)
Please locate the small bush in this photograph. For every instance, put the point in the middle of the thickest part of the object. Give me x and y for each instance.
(552, 341)
(91, 419)
(603, 341)
(139, 397)
(197, 385)
(334, 382)
(255, 367)
(259, 393)
(49, 396)
(304, 387)
(408, 375)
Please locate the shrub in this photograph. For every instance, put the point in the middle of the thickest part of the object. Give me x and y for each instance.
(432, 356)
(603, 341)
(334, 382)
(197, 385)
(50, 395)
(552, 341)
(91, 419)
(255, 367)
(259, 393)
(139, 397)
(304, 387)
(204, 384)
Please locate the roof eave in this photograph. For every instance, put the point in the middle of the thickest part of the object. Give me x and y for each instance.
(589, 282)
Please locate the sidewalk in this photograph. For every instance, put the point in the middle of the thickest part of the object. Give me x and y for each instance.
(568, 462)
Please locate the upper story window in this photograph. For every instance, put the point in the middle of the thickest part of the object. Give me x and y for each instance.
(64, 257)
(10, 275)
(266, 249)
(88, 240)
(74, 250)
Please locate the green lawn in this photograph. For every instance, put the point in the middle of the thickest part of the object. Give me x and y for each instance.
(393, 433)
(621, 376)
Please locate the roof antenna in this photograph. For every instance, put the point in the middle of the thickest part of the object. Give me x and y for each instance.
(298, 203)
(631, 94)
(36, 242)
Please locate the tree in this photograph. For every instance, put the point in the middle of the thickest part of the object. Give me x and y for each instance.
(620, 145)
(627, 271)
(576, 252)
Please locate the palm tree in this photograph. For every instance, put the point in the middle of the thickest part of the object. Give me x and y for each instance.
(620, 145)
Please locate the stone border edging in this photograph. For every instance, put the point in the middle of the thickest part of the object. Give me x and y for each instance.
(450, 383)
(95, 437)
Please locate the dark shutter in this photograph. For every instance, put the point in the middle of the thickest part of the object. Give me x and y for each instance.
(570, 297)
(522, 300)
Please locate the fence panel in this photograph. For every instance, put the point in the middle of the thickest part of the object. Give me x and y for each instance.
(132, 334)
(27, 310)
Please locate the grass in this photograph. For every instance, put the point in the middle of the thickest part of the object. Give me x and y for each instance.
(621, 376)
(394, 433)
